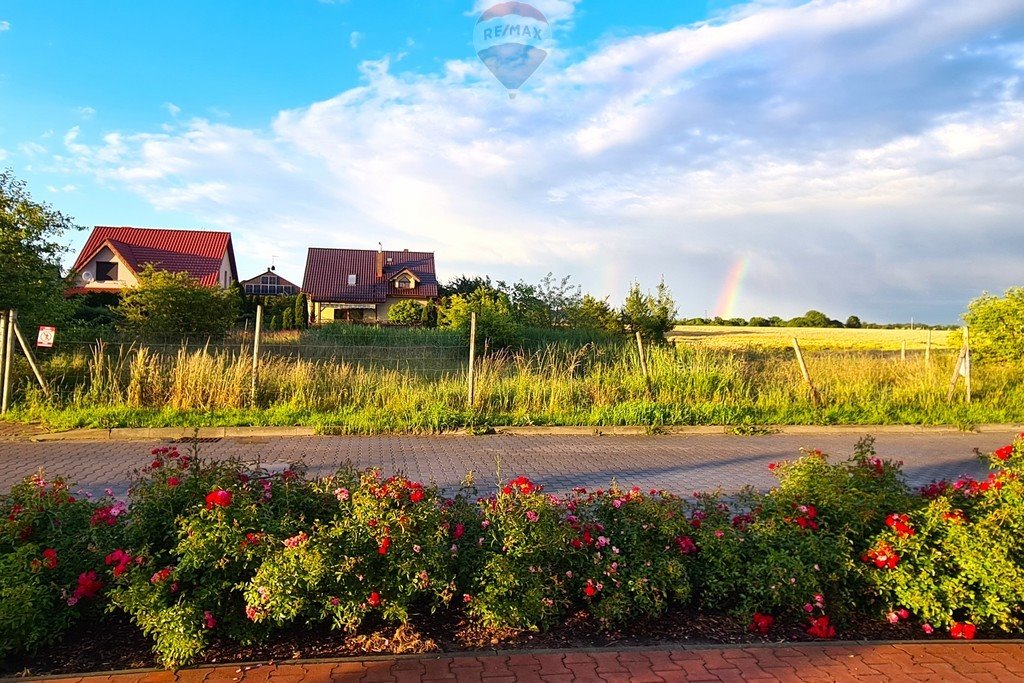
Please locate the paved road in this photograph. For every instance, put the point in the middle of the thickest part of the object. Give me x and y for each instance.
(802, 663)
(679, 463)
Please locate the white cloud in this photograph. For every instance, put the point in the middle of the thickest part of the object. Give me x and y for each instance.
(354, 39)
(5, 26)
(866, 155)
(172, 108)
(86, 112)
(3, 154)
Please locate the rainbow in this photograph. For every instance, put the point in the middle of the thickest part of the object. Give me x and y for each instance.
(731, 289)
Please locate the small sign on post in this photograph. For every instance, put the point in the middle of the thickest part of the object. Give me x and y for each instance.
(44, 340)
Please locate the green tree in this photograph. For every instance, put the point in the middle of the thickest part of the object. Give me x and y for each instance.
(172, 306)
(301, 312)
(854, 323)
(996, 326)
(405, 312)
(495, 320)
(30, 252)
(288, 319)
(592, 313)
(652, 315)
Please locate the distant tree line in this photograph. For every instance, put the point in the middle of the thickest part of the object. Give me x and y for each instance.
(811, 318)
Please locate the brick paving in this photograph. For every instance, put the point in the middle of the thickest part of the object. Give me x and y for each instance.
(804, 663)
(679, 463)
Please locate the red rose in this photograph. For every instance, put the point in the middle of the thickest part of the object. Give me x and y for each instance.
(385, 543)
(50, 558)
(761, 623)
(965, 631)
(416, 495)
(589, 590)
(374, 599)
(460, 529)
(821, 629)
(218, 498)
(88, 585)
(173, 481)
(1004, 453)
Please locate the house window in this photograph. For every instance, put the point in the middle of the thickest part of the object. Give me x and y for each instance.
(403, 283)
(106, 271)
(267, 279)
(352, 279)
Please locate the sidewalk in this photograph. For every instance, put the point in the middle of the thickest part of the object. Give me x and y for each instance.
(852, 661)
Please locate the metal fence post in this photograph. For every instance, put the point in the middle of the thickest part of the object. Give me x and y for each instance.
(8, 353)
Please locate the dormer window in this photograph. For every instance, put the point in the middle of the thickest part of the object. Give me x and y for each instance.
(352, 280)
(403, 283)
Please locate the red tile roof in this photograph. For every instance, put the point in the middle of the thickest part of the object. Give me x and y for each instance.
(196, 252)
(327, 271)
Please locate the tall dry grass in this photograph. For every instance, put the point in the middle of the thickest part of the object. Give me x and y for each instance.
(558, 385)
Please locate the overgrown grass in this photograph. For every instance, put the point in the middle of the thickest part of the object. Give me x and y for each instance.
(560, 385)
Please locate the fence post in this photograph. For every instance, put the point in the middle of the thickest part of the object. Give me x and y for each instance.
(472, 359)
(8, 353)
(967, 364)
(31, 359)
(643, 362)
(956, 373)
(803, 371)
(3, 346)
(256, 353)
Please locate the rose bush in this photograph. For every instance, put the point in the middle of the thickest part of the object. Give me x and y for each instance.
(205, 550)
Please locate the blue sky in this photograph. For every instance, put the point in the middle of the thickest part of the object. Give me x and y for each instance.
(854, 156)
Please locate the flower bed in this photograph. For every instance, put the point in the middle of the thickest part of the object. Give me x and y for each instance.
(207, 553)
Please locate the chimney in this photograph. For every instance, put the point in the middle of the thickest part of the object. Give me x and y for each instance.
(380, 264)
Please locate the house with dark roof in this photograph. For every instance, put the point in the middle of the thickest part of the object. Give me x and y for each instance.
(269, 284)
(113, 257)
(360, 285)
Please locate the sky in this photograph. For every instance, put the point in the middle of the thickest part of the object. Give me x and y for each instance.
(858, 157)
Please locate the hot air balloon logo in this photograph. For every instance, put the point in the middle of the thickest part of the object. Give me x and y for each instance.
(510, 39)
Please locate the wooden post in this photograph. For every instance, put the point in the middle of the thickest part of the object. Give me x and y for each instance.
(903, 351)
(31, 359)
(256, 353)
(3, 346)
(956, 373)
(928, 350)
(8, 353)
(643, 362)
(803, 371)
(472, 359)
(967, 365)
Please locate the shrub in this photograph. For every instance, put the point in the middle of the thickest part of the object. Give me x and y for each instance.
(387, 546)
(638, 553)
(960, 559)
(51, 545)
(996, 325)
(174, 305)
(529, 565)
(406, 312)
(181, 594)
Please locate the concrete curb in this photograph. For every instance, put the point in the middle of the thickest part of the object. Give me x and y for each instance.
(169, 433)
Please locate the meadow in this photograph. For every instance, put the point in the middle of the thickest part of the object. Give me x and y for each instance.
(350, 381)
(810, 338)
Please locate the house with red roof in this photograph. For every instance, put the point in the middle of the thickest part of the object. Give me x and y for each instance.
(360, 285)
(113, 257)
